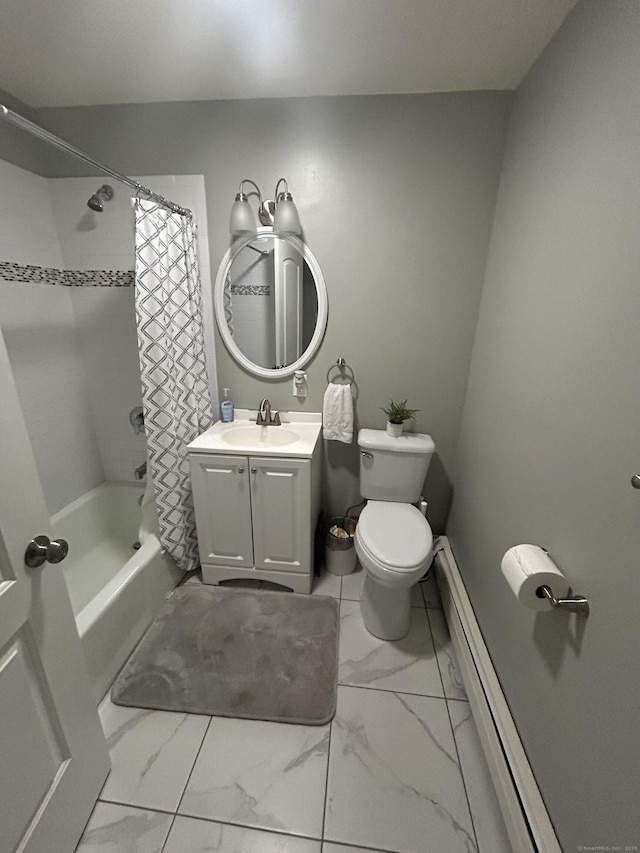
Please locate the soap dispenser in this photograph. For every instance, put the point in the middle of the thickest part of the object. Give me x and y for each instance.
(226, 407)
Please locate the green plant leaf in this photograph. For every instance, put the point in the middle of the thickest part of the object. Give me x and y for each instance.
(398, 413)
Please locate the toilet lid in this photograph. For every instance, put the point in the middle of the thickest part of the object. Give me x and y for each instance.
(395, 534)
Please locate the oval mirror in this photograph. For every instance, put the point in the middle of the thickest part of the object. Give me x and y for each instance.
(270, 302)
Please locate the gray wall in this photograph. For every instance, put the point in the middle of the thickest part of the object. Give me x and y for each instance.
(396, 197)
(550, 433)
(16, 146)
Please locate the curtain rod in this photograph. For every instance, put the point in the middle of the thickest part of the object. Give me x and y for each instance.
(41, 133)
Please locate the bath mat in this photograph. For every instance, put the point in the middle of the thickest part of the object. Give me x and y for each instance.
(237, 653)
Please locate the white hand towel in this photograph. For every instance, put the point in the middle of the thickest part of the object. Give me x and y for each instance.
(337, 413)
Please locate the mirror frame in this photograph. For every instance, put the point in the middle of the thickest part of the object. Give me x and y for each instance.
(321, 293)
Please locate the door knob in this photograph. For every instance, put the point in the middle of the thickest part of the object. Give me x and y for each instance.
(635, 481)
(41, 550)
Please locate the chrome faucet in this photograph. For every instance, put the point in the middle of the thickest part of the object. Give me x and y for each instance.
(265, 418)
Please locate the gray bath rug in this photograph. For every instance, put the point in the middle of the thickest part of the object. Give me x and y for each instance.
(237, 653)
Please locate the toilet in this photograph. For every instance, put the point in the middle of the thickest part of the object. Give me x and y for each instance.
(393, 539)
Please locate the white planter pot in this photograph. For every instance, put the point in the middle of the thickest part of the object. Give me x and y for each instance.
(394, 430)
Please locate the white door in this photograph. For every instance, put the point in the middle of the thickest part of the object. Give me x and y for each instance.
(223, 509)
(287, 263)
(53, 756)
(280, 502)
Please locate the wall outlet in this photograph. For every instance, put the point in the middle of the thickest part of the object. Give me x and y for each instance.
(299, 384)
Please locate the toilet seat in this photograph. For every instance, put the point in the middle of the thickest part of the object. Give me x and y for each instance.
(394, 542)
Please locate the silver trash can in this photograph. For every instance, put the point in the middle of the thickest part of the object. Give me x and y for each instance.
(339, 548)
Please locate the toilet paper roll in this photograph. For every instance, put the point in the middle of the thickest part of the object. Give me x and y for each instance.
(527, 567)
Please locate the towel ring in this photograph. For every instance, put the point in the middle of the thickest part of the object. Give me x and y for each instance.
(343, 367)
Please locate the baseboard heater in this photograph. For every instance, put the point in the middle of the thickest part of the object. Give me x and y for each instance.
(526, 818)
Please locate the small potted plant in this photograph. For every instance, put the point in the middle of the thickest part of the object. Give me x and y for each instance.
(397, 414)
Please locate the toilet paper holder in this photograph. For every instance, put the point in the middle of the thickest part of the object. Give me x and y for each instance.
(575, 603)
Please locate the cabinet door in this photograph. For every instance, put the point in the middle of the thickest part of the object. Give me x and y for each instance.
(280, 501)
(223, 509)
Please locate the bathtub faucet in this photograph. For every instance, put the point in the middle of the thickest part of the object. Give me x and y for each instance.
(140, 471)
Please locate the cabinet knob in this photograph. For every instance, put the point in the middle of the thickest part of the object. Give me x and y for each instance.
(254, 470)
(241, 470)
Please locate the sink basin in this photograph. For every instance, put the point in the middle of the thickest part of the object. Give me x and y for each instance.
(296, 438)
(259, 436)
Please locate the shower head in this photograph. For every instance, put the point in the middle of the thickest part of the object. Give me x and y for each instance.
(105, 193)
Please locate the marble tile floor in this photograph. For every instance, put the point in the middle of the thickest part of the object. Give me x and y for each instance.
(399, 769)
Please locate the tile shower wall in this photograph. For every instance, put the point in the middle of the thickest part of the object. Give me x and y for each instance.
(74, 349)
(105, 315)
(252, 293)
(107, 335)
(39, 327)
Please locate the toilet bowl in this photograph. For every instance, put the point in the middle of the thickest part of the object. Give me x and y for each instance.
(393, 539)
(394, 544)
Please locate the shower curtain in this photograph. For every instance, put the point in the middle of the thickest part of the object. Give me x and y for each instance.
(175, 392)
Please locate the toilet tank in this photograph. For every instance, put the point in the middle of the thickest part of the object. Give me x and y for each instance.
(393, 469)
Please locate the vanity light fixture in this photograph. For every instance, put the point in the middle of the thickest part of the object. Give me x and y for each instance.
(280, 212)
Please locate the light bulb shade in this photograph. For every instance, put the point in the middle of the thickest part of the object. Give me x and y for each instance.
(242, 218)
(286, 218)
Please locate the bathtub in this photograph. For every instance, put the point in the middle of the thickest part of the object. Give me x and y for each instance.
(115, 589)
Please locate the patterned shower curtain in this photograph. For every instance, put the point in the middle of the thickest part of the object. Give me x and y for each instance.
(175, 392)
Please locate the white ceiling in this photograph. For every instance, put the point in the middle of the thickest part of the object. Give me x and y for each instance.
(81, 52)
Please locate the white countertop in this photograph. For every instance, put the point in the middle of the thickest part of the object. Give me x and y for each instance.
(306, 426)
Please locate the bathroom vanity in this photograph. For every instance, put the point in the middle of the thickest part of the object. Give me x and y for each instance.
(256, 492)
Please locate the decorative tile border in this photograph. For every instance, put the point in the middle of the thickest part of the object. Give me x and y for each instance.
(250, 290)
(99, 278)
(37, 275)
(67, 278)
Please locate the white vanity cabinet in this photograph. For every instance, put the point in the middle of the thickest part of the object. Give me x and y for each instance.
(256, 514)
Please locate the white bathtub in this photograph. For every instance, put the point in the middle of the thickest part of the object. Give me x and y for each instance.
(115, 590)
